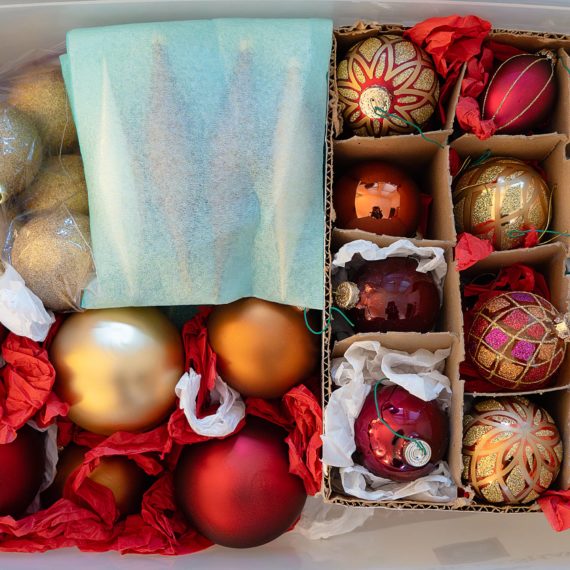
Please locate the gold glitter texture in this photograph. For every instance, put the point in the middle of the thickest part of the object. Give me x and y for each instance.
(515, 481)
(486, 357)
(510, 371)
(492, 492)
(475, 433)
(425, 80)
(404, 51)
(486, 465)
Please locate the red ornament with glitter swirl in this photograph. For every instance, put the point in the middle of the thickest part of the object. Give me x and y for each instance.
(386, 86)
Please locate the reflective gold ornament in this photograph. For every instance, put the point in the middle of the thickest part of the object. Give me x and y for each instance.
(52, 253)
(119, 474)
(500, 198)
(117, 368)
(41, 94)
(512, 450)
(263, 348)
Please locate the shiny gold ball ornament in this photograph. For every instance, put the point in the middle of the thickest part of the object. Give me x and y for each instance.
(499, 199)
(263, 348)
(61, 180)
(52, 253)
(20, 152)
(41, 94)
(386, 74)
(119, 474)
(512, 450)
(117, 368)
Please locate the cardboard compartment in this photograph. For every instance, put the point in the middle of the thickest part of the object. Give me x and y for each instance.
(547, 149)
(409, 342)
(550, 261)
(425, 161)
(346, 37)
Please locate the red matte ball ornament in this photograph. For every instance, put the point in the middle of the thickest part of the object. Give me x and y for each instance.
(379, 198)
(22, 465)
(390, 295)
(424, 427)
(521, 93)
(238, 491)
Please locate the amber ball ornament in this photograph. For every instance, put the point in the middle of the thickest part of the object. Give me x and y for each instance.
(117, 368)
(120, 475)
(499, 199)
(377, 197)
(389, 295)
(263, 348)
(512, 450)
(385, 85)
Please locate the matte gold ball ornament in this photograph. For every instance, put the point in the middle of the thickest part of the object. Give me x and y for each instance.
(52, 253)
(20, 152)
(499, 199)
(263, 348)
(40, 93)
(512, 450)
(117, 368)
(384, 84)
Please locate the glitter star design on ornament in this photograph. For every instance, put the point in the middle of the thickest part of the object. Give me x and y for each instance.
(385, 85)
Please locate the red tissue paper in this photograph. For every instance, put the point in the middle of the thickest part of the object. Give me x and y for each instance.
(556, 507)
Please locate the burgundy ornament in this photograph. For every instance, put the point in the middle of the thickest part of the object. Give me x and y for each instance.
(379, 198)
(392, 457)
(390, 295)
(22, 465)
(521, 93)
(238, 491)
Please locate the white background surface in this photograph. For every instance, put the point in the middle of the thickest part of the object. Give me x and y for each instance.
(391, 539)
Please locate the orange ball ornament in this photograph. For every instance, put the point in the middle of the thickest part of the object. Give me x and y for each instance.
(512, 450)
(120, 475)
(263, 348)
(117, 368)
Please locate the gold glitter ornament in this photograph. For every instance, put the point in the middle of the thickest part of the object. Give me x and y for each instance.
(61, 180)
(386, 74)
(512, 450)
(41, 94)
(498, 199)
(20, 152)
(52, 253)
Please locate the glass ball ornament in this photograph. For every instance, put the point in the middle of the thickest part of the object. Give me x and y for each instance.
(512, 450)
(499, 199)
(377, 197)
(517, 340)
(386, 74)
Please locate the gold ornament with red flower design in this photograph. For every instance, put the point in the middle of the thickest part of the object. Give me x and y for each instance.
(512, 450)
(384, 83)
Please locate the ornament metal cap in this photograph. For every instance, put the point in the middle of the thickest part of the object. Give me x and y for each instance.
(417, 455)
(347, 295)
(562, 326)
(548, 54)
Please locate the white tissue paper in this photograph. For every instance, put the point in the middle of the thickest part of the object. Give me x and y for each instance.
(21, 311)
(52, 456)
(430, 259)
(363, 364)
(226, 418)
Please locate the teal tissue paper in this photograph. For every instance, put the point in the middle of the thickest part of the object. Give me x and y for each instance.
(204, 151)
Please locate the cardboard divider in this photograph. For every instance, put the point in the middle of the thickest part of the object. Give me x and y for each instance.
(424, 161)
(410, 342)
(550, 261)
(549, 150)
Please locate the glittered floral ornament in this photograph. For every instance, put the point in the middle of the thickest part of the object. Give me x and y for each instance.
(386, 85)
(512, 450)
(499, 200)
(518, 340)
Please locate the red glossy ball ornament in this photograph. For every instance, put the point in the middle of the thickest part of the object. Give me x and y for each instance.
(385, 85)
(390, 295)
(517, 340)
(22, 465)
(521, 93)
(238, 491)
(392, 457)
(379, 198)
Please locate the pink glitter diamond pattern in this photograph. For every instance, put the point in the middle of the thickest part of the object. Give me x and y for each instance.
(523, 350)
(496, 338)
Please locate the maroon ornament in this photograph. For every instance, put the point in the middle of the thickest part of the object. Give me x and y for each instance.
(379, 198)
(521, 93)
(387, 455)
(390, 295)
(238, 491)
(22, 465)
